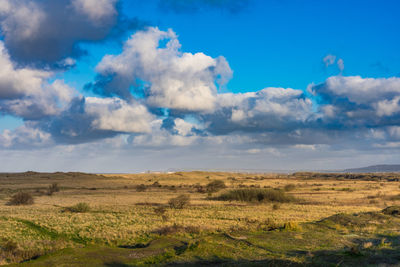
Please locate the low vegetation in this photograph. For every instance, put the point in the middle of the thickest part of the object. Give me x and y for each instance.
(179, 202)
(256, 195)
(176, 228)
(21, 198)
(53, 188)
(215, 186)
(78, 208)
(200, 218)
(289, 187)
(141, 188)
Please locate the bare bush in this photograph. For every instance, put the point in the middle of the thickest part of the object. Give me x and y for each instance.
(52, 189)
(21, 198)
(179, 202)
(215, 186)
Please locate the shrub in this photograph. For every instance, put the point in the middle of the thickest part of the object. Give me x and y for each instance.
(215, 186)
(141, 188)
(393, 210)
(179, 202)
(52, 189)
(21, 198)
(256, 195)
(80, 207)
(289, 187)
(199, 188)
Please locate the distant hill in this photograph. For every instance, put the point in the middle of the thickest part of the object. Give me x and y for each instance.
(377, 168)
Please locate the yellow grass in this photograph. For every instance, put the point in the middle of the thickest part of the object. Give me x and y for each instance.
(120, 215)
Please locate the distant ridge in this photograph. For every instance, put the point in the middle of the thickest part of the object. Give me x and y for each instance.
(377, 168)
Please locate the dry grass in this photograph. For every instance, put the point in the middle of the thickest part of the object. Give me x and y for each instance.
(115, 216)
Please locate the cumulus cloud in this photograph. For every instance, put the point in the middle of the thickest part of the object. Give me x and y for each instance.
(97, 10)
(167, 77)
(26, 92)
(27, 135)
(162, 138)
(271, 109)
(154, 94)
(357, 101)
(47, 31)
(117, 115)
(89, 119)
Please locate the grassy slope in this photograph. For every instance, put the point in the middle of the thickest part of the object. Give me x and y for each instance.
(347, 240)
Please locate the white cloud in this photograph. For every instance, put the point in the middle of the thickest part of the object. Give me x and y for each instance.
(175, 80)
(117, 115)
(329, 60)
(304, 146)
(16, 82)
(388, 107)
(96, 9)
(26, 93)
(267, 109)
(340, 64)
(353, 100)
(46, 32)
(21, 19)
(361, 90)
(25, 136)
(162, 138)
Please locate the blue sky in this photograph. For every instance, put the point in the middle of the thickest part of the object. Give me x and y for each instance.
(330, 69)
(277, 43)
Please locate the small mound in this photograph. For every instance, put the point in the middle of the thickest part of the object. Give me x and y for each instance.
(392, 210)
(355, 220)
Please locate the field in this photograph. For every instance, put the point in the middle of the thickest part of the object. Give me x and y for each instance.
(299, 219)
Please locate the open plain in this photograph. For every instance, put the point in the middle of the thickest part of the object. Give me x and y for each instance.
(198, 218)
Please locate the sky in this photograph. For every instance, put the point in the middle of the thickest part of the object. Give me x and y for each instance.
(260, 85)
